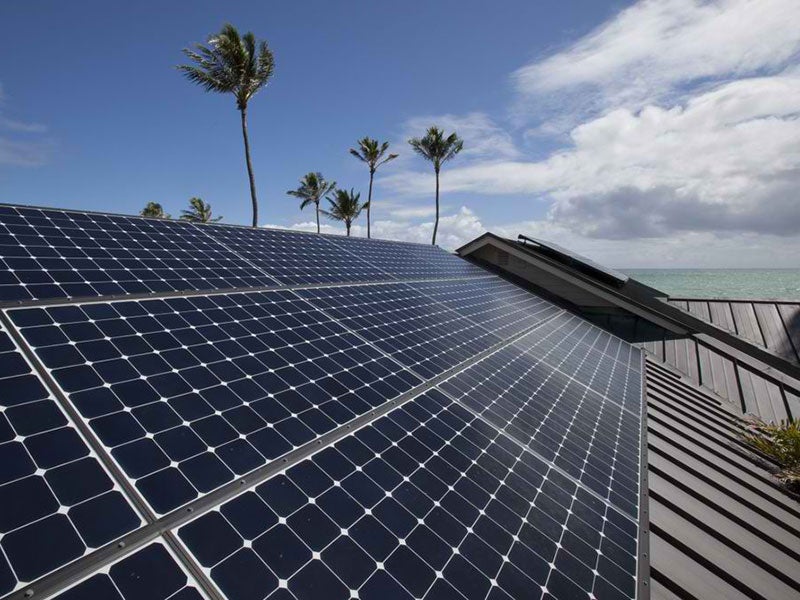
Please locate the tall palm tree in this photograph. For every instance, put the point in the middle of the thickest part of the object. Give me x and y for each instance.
(311, 190)
(438, 149)
(155, 210)
(233, 64)
(198, 212)
(371, 152)
(345, 206)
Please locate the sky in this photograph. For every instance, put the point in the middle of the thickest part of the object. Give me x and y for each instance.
(655, 133)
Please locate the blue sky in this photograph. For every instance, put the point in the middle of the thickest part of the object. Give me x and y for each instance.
(604, 126)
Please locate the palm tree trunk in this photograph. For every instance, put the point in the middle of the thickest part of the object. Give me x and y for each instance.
(436, 223)
(249, 167)
(369, 200)
(348, 229)
(317, 205)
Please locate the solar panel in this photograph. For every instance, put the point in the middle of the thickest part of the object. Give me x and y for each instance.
(405, 260)
(295, 258)
(385, 421)
(574, 258)
(189, 392)
(531, 390)
(426, 502)
(496, 304)
(151, 573)
(57, 502)
(48, 253)
(414, 329)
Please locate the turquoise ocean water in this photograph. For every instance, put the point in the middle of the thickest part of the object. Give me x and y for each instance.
(781, 284)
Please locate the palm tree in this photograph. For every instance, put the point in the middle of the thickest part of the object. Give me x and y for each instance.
(154, 210)
(312, 189)
(438, 149)
(198, 212)
(233, 64)
(371, 152)
(345, 206)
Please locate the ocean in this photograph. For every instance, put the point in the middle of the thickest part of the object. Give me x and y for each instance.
(781, 284)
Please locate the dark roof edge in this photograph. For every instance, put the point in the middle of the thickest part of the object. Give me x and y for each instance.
(759, 359)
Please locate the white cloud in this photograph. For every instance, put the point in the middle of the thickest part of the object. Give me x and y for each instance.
(652, 48)
(727, 160)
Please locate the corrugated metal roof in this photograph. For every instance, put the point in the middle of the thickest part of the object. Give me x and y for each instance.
(774, 325)
(720, 526)
(746, 390)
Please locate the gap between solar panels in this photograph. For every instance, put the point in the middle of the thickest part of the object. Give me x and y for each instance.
(77, 570)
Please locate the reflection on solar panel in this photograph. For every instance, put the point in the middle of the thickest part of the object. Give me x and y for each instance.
(150, 574)
(575, 258)
(384, 421)
(414, 329)
(56, 501)
(544, 394)
(57, 254)
(408, 261)
(296, 258)
(496, 304)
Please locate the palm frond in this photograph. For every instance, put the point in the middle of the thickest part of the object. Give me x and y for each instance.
(435, 147)
(230, 63)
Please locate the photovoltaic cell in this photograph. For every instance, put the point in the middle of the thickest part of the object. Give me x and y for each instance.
(404, 260)
(48, 254)
(592, 434)
(151, 573)
(497, 305)
(56, 500)
(614, 370)
(189, 392)
(426, 502)
(414, 329)
(297, 258)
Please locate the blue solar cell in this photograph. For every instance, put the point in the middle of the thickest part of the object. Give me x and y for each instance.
(49, 253)
(293, 257)
(404, 260)
(51, 486)
(538, 391)
(499, 306)
(256, 375)
(151, 573)
(475, 514)
(414, 329)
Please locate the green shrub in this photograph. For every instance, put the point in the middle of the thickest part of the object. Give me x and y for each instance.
(779, 442)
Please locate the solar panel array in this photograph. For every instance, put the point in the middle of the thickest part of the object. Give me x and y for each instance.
(195, 411)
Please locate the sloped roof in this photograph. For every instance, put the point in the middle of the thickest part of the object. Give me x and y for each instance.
(721, 526)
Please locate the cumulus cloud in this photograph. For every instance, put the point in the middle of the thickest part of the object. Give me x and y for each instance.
(699, 129)
(654, 47)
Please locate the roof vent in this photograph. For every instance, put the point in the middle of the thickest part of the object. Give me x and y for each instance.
(502, 258)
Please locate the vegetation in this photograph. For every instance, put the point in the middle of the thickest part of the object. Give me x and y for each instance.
(233, 64)
(345, 206)
(438, 149)
(779, 442)
(313, 187)
(155, 210)
(198, 212)
(372, 153)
